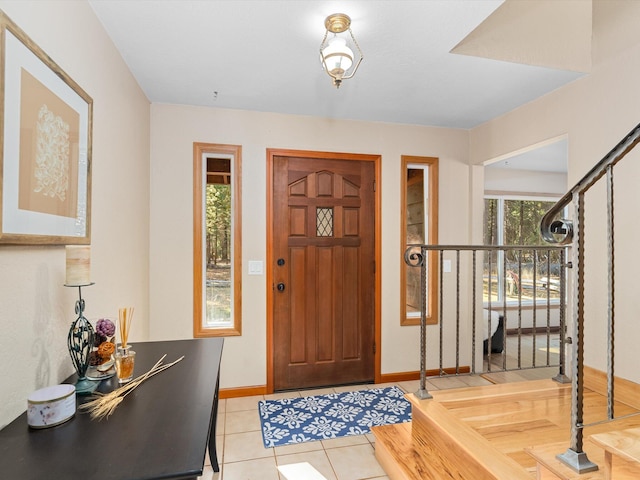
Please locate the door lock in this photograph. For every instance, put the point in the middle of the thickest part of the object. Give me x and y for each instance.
(280, 287)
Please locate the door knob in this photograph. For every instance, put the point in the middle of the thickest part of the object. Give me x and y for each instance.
(280, 287)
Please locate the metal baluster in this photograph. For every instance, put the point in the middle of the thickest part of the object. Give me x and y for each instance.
(504, 308)
(414, 259)
(473, 313)
(562, 377)
(520, 301)
(441, 313)
(575, 457)
(611, 299)
(535, 308)
(489, 313)
(422, 393)
(457, 312)
(548, 306)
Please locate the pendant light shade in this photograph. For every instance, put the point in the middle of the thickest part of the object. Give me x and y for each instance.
(336, 56)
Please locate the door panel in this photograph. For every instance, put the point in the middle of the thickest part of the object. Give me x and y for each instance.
(323, 319)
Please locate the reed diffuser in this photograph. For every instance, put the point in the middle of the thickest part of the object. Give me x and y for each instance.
(124, 323)
(125, 357)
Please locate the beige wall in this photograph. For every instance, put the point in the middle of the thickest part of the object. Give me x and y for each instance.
(142, 207)
(595, 113)
(173, 131)
(35, 309)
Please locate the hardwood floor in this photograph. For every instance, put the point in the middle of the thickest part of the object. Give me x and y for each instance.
(497, 426)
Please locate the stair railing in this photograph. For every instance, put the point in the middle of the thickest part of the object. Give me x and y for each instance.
(565, 232)
(539, 281)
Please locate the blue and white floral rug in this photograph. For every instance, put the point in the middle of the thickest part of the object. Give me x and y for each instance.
(321, 417)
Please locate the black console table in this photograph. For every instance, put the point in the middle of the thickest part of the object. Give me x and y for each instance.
(160, 431)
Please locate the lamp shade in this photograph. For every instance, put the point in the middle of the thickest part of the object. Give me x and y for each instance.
(338, 58)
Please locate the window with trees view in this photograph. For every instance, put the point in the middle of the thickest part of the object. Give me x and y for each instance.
(509, 275)
(217, 265)
(218, 243)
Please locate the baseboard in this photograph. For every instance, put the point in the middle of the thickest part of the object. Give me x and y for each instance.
(243, 391)
(409, 376)
(626, 391)
(384, 378)
(399, 377)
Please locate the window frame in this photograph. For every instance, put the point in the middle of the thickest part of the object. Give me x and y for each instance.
(431, 163)
(234, 152)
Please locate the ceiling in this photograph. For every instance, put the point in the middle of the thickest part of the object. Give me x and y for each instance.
(549, 157)
(263, 55)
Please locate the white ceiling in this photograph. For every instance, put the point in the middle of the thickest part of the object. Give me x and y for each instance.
(550, 157)
(263, 55)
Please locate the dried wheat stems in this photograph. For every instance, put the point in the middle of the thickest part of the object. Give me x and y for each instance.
(105, 404)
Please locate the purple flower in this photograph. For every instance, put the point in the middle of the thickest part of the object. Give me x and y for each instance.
(105, 327)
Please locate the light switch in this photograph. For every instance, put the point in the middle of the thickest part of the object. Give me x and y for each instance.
(446, 266)
(255, 267)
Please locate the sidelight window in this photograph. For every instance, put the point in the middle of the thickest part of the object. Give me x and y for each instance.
(419, 226)
(217, 235)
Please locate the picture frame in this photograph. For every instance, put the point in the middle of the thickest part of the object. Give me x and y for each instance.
(45, 147)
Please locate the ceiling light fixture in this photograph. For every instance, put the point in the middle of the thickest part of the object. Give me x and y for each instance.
(336, 56)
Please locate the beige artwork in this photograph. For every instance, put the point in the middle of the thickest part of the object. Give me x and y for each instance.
(49, 131)
(52, 155)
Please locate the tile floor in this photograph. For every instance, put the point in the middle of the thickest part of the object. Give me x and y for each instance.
(242, 455)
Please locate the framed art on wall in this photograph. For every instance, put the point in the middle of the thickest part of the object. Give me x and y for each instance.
(45, 160)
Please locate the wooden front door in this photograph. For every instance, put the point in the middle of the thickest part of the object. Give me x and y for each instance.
(323, 271)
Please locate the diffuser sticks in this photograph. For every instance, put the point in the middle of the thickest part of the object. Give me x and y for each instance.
(125, 316)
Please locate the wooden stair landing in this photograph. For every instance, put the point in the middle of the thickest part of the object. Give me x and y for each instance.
(493, 432)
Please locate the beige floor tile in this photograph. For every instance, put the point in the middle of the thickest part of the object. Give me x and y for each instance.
(371, 437)
(345, 441)
(411, 386)
(222, 405)
(443, 383)
(298, 448)
(260, 469)
(382, 385)
(318, 460)
(430, 386)
(243, 421)
(209, 474)
(355, 463)
(243, 403)
(220, 423)
(474, 381)
(414, 385)
(505, 377)
(245, 446)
